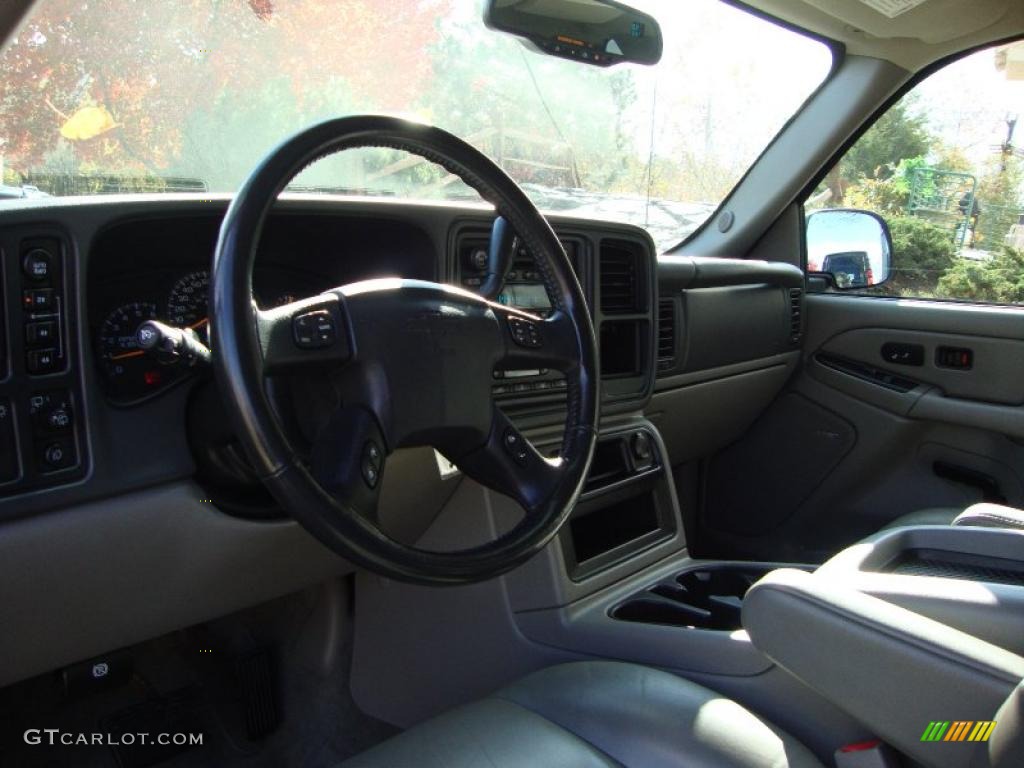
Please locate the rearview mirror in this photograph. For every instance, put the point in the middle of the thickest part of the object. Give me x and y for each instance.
(852, 246)
(597, 32)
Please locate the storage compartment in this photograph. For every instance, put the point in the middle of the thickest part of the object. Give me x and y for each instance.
(958, 565)
(969, 578)
(626, 505)
(698, 598)
(609, 527)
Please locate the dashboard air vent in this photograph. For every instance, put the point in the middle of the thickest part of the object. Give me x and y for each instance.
(619, 266)
(796, 304)
(666, 334)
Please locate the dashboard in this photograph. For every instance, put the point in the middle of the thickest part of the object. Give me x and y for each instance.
(128, 421)
(111, 518)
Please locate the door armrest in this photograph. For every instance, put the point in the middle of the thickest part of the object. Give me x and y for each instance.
(893, 670)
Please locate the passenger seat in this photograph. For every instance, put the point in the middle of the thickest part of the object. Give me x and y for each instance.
(983, 515)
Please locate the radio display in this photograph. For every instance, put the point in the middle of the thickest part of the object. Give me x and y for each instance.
(525, 296)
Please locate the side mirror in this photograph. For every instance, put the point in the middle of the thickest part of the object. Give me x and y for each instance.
(852, 246)
(597, 32)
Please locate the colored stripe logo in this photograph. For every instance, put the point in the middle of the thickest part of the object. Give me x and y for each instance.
(958, 730)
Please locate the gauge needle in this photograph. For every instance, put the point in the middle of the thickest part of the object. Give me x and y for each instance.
(199, 323)
(126, 355)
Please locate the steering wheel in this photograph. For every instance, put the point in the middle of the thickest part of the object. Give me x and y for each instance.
(412, 363)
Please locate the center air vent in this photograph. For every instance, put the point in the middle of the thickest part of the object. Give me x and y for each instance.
(666, 334)
(796, 303)
(620, 294)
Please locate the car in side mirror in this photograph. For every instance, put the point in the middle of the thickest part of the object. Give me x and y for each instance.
(853, 247)
(596, 32)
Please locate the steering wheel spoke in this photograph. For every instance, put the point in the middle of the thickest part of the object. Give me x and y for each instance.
(309, 332)
(509, 464)
(534, 342)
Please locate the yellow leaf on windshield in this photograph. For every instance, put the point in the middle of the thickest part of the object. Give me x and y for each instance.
(87, 123)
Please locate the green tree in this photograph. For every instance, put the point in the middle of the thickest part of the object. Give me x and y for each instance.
(922, 253)
(1000, 279)
(898, 135)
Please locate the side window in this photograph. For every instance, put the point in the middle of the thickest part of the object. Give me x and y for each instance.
(944, 168)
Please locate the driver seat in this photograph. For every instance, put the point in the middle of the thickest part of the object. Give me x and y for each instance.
(594, 714)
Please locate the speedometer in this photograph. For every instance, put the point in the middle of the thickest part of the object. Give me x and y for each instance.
(130, 372)
(188, 302)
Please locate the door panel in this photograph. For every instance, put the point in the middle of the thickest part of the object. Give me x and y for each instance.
(873, 439)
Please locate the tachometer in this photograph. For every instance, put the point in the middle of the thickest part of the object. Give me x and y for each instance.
(130, 372)
(188, 302)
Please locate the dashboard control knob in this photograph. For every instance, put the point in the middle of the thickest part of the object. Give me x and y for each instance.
(478, 258)
(37, 264)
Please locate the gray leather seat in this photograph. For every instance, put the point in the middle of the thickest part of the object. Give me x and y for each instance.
(599, 714)
(929, 516)
(981, 514)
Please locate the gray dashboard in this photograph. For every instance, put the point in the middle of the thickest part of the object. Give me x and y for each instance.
(124, 543)
(122, 251)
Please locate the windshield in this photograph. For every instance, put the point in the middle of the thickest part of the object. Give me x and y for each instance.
(187, 95)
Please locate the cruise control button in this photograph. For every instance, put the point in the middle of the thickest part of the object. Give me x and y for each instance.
(372, 463)
(515, 446)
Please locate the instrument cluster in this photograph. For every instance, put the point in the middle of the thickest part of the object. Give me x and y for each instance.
(179, 298)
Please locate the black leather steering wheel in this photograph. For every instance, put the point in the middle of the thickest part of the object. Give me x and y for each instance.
(412, 362)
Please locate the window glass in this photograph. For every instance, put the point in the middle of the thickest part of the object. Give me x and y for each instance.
(945, 168)
(187, 95)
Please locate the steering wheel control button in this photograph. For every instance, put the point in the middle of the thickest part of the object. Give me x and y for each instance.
(314, 330)
(515, 446)
(525, 333)
(37, 265)
(372, 463)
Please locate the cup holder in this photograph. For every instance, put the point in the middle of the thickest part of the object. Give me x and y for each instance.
(702, 598)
